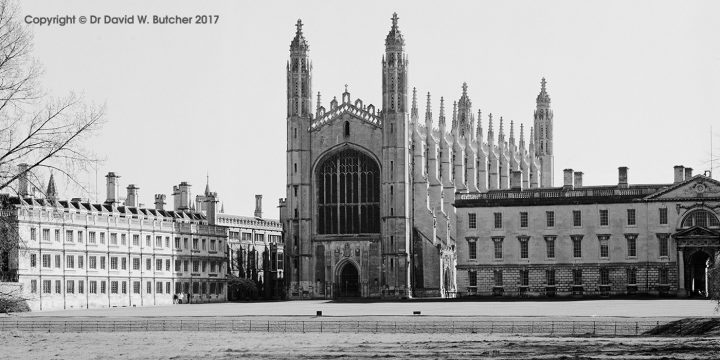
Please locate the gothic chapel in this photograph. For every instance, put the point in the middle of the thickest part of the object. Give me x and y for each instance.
(370, 191)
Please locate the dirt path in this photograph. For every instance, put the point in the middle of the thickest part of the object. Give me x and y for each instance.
(193, 345)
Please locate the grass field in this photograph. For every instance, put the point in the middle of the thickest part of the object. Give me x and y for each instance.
(233, 345)
(61, 343)
(672, 308)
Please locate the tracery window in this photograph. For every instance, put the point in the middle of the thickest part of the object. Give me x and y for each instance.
(348, 190)
(702, 218)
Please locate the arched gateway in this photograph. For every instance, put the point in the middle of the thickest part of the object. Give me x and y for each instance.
(348, 281)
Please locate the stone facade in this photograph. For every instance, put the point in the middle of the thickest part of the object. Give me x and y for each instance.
(644, 237)
(370, 190)
(75, 254)
(256, 249)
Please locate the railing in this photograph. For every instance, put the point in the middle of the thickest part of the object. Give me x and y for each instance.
(543, 328)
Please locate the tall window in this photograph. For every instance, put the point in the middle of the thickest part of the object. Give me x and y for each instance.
(550, 218)
(550, 277)
(523, 219)
(632, 276)
(472, 278)
(663, 216)
(577, 277)
(498, 278)
(497, 220)
(663, 276)
(604, 218)
(702, 218)
(524, 277)
(663, 244)
(631, 216)
(604, 276)
(472, 220)
(631, 244)
(577, 218)
(577, 245)
(472, 249)
(524, 246)
(550, 246)
(348, 190)
(604, 250)
(498, 242)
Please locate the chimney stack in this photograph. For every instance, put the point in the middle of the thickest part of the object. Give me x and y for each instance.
(568, 179)
(623, 177)
(182, 196)
(258, 206)
(211, 208)
(23, 180)
(578, 179)
(688, 173)
(132, 199)
(113, 188)
(159, 201)
(516, 180)
(679, 172)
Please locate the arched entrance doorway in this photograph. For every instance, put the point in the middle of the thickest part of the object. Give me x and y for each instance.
(349, 284)
(697, 274)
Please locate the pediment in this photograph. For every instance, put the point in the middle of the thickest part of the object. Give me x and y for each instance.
(697, 232)
(362, 113)
(699, 186)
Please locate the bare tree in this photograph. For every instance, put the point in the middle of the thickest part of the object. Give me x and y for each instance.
(35, 130)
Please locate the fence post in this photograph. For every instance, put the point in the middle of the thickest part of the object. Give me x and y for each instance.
(147, 322)
(512, 328)
(268, 326)
(181, 329)
(396, 327)
(321, 326)
(593, 328)
(358, 327)
(636, 328)
(453, 327)
(532, 327)
(615, 331)
(492, 324)
(303, 328)
(250, 327)
(573, 330)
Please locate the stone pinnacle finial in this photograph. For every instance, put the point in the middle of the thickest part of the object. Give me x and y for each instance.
(522, 134)
(441, 120)
(464, 87)
(428, 109)
(490, 127)
(318, 102)
(543, 98)
(414, 100)
(512, 130)
(299, 43)
(394, 39)
(532, 135)
(501, 126)
(395, 20)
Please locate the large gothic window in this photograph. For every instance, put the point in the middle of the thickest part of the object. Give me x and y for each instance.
(702, 218)
(348, 190)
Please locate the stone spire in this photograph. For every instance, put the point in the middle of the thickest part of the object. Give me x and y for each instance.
(222, 208)
(394, 37)
(543, 98)
(522, 136)
(441, 120)
(491, 133)
(51, 192)
(413, 108)
(479, 125)
(299, 44)
(428, 113)
(501, 133)
(317, 106)
(207, 185)
(512, 132)
(454, 116)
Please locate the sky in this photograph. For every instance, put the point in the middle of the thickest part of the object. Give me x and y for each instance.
(632, 84)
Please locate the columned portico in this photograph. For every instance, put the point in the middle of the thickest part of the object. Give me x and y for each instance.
(698, 249)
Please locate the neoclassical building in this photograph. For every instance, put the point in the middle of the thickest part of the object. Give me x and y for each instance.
(70, 254)
(370, 189)
(581, 240)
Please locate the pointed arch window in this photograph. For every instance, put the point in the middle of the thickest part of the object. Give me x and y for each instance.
(348, 190)
(347, 129)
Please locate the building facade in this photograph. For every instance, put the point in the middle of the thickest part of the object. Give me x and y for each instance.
(75, 254)
(256, 249)
(581, 240)
(369, 199)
